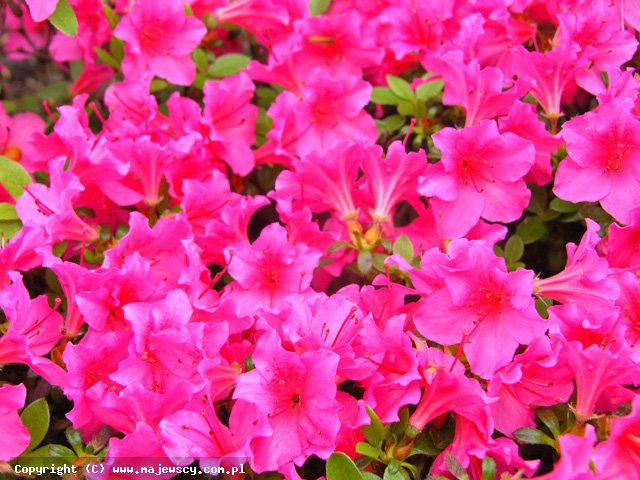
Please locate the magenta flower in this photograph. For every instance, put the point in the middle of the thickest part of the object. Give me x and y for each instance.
(297, 393)
(271, 268)
(479, 169)
(41, 9)
(479, 305)
(15, 437)
(159, 39)
(603, 162)
(479, 91)
(619, 456)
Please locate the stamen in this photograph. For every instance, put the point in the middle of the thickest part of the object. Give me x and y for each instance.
(412, 124)
(217, 276)
(47, 109)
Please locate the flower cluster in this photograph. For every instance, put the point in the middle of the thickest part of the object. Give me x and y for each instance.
(279, 232)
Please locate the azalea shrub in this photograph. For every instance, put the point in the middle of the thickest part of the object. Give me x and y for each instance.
(337, 239)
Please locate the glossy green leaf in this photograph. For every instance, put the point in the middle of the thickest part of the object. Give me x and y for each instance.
(404, 247)
(489, 468)
(318, 7)
(229, 64)
(513, 249)
(13, 177)
(374, 432)
(341, 467)
(531, 229)
(365, 262)
(400, 88)
(64, 18)
(36, 418)
(534, 437)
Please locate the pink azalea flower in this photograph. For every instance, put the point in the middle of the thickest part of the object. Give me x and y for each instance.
(227, 109)
(537, 377)
(328, 109)
(621, 246)
(326, 181)
(160, 37)
(297, 393)
(188, 434)
(618, 456)
(166, 348)
(603, 162)
(550, 74)
(479, 91)
(392, 179)
(271, 268)
(479, 169)
(478, 304)
(52, 208)
(523, 121)
(15, 134)
(15, 436)
(575, 457)
(41, 9)
(585, 279)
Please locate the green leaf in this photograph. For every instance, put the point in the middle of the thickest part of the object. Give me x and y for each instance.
(200, 59)
(531, 229)
(406, 108)
(75, 440)
(13, 177)
(513, 249)
(334, 247)
(550, 419)
(404, 247)
(383, 96)
(365, 262)
(341, 467)
(394, 472)
(374, 432)
(110, 15)
(534, 437)
(8, 212)
(64, 19)
(117, 49)
(368, 450)
(107, 58)
(391, 123)
(424, 445)
(426, 91)
(558, 205)
(400, 88)
(489, 468)
(229, 64)
(54, 91)
(318, 7)
(62, 452)
(370, 476)
(157, 85)
(36, 418)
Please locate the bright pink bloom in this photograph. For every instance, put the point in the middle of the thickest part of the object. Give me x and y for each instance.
(271, 268)
(52, 208)
(603, 162)
(585, 279)
(478, 304)
(327, 109)
(479, 91)
(326, 181)
(41, 9)
(479, 169)
(160, 37)
(551, 74)
(598, 372)
(15, 133)
(188, 434)
(523, 121)
(166, 348)
(298, 395)
(619, 456)
(595, 26)
(575, 457)
(15, 436)
(392, 179)
(537, 377)
(232, 117)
